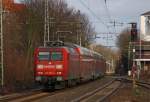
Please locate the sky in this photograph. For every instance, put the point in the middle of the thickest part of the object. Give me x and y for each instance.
(101, 14)
(17, 1)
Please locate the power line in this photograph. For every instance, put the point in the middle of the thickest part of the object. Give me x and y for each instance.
(93, 14)
(107, 10)
(107, 27)
(109, 17)
(100, 19)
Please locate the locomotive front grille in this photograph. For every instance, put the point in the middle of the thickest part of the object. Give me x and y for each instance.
(45, 79)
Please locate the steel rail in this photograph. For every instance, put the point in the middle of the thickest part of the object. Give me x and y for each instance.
(145, 85)
(93, 92)
(10, 97)
(139, 83)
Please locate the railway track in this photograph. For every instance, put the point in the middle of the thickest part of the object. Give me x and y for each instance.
(139, 83)
(101, 93)
(98, 94)
(39, 95)
(32, 97)
(143, 84)
(10, 97)
(29, 96)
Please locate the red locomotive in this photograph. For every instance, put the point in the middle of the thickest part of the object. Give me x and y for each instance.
(64, 64)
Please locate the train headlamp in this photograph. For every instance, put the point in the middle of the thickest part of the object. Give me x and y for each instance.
(59, 79)
(59, 66)
(39, 66)
(38, 78)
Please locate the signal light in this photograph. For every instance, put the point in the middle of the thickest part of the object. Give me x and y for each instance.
(133, 32)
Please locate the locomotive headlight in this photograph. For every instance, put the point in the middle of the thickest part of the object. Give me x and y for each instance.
(39, 66)
(59, 78)
(59, 66)
(38, 78)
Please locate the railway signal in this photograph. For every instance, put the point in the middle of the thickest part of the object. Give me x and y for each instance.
(133, 32)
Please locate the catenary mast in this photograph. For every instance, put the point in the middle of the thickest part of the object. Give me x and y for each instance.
(1, 44)
(46, 23)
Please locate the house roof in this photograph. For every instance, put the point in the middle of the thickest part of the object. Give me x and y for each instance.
(10, 5)
(146, 13)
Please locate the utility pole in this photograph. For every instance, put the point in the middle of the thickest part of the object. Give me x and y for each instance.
(115, 23)
(79, 35)
(133, 41)
(80, 38)
(46, 23)
(129, 57)
(1, 44)
(79, 30)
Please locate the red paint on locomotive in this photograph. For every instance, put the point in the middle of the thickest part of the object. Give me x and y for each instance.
(74, 63)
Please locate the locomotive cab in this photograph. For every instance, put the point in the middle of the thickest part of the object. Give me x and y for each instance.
(50, 65)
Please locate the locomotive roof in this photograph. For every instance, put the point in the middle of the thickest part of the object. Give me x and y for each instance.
(83, 50)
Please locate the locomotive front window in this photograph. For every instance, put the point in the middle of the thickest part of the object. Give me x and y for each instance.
(44, 56)
(56, 56)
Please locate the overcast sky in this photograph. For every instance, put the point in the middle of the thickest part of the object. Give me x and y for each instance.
(17, 1)
(122, 11)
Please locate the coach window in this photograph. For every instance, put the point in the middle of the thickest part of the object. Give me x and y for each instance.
(44, 56)
(56, 56)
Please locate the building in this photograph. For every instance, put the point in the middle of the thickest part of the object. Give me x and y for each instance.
(141, 48)
(11, 6)
(145, 26)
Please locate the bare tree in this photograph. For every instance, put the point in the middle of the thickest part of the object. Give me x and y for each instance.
(24, 31)
(123, 44)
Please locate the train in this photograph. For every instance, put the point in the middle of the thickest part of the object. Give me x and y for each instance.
(62, 64)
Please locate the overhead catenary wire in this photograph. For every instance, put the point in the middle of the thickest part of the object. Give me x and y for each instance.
(107, 10)
(109, 17)
(97, 17)
(114, 22)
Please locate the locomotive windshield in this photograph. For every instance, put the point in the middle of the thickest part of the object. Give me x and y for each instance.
(44, 56)
(56, 56)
